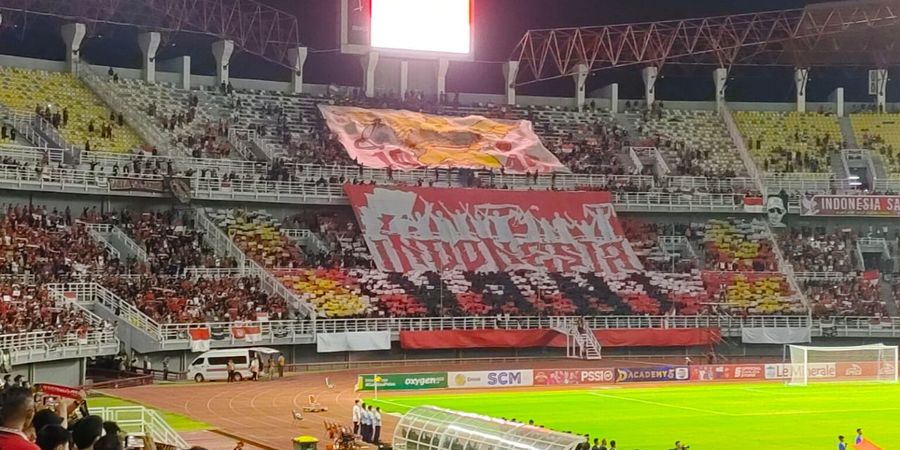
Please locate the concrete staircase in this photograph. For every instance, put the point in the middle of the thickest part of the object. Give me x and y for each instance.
(886, 294)
(126, 246)
(847, 132)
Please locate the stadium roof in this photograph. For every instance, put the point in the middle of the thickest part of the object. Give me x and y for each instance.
(840, 33)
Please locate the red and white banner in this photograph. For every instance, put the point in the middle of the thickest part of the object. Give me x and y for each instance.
(850, 205)
(412, 229)
(549, 377)
(249, 333)
(404, 140)
(199, 339)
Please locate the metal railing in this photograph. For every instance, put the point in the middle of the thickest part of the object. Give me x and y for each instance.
(138, 250)
(683, 202)
(138, 419)
(24, 348)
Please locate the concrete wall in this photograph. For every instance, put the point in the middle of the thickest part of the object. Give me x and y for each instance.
(67, 372)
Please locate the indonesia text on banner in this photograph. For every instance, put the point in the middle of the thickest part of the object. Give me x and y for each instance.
(851, 205)
(405, 140)
(429, 229)
(353, 341)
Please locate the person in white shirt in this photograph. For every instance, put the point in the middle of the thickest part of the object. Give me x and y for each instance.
(356, 416)
(376, 435)
(365, 424)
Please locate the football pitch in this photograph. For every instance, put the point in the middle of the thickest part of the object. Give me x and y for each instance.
(706, 417)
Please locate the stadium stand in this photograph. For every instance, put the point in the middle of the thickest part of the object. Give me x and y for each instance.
(693, 143)
(879, 132)
(816, 251)
(790, 142)
(197, 121)
(81, 117)
(170, 299)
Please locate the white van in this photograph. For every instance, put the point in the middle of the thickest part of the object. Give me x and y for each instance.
(213, 365)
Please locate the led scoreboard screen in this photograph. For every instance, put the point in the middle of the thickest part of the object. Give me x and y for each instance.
(423, 27)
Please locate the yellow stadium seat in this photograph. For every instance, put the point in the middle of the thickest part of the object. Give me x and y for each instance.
(25, 90)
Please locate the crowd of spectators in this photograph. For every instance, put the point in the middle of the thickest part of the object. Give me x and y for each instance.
(815, 250)
(852, 296)
(25, 308)
(171, 299)
(49, 245)
(33, 420)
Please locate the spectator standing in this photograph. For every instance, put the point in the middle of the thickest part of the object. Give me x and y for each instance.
(230, 368)
(356, 416)
(53, 437)
(281, 365)
(86, 432)
(376, 437)
(17, 410)
(147, 366)
(166, 368)
(270, 368)
(254, 369)
(365, 423)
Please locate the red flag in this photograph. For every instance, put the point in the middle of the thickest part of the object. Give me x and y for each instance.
(199, 339)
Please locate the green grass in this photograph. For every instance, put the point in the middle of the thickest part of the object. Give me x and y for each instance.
(707, 417)
(178, 422)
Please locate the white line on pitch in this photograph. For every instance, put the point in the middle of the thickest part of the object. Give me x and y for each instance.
(649, 402)
(393, 403)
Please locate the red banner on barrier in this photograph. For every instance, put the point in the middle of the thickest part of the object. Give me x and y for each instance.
(851, 205)
(728, 372)
(616, 337)
(548, 377)
(429, 229)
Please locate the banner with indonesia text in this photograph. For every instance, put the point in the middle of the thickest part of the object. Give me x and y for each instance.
(851, 205)
(412, 229)
(399, 139)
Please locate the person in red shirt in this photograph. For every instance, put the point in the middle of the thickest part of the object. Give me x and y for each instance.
(16, 411)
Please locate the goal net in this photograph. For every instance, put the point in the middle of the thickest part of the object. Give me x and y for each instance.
(875, 362)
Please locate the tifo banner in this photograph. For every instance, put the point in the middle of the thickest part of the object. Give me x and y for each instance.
(353, 342)
(550, 377)
(760, 335)
(850, 205)
(400, 139)
(662, 373)
(728, 372)
(490, 379)
(412, 229)
(402, 381)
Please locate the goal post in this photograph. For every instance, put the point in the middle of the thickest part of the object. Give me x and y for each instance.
(872, 363)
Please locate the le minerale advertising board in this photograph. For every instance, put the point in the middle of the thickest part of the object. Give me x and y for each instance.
(402, 381)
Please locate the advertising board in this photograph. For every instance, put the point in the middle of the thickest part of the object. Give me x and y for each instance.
(550, 377)
(661, 373)
(490, 379)
(402, 381)
(714, 372)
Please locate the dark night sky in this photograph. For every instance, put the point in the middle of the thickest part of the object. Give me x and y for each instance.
(499, 24)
